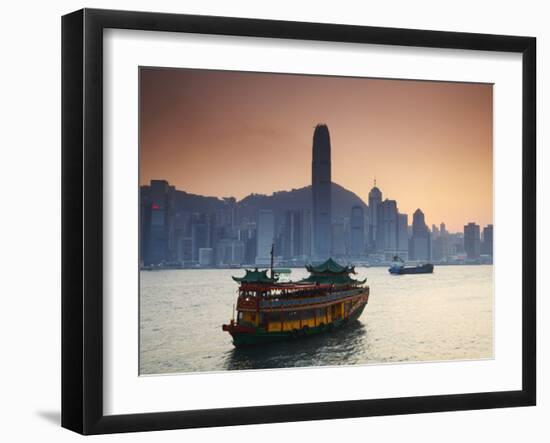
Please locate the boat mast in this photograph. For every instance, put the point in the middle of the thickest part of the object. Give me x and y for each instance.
(271, 267)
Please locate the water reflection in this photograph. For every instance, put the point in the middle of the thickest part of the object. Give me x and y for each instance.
(337, 347)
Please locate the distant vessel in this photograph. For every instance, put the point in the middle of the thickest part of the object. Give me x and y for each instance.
(398, 267)
(270, 311)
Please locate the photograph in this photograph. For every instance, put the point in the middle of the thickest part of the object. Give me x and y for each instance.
(293, 220)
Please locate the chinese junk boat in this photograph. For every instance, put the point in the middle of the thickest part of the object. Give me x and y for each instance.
(269, 310)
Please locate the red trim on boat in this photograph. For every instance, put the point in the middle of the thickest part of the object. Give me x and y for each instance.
(234, 328)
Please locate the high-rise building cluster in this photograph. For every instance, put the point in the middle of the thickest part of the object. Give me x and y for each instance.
(478, 245)
(184, 230)
(170, 234)
(387, 228)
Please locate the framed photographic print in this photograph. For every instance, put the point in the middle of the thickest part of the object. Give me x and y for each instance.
(269, 221)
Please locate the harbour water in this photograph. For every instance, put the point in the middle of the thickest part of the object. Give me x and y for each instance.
(447, 315)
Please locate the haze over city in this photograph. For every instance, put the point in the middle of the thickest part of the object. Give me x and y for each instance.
(220, 133)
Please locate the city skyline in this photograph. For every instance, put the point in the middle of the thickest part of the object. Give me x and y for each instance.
(429, 144)
(459, 230)
(179, 229)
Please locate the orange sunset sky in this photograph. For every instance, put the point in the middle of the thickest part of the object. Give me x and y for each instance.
(220, 133)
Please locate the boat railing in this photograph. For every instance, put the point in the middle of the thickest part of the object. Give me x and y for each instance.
(247, 303)
(290, 292)
(277, 303)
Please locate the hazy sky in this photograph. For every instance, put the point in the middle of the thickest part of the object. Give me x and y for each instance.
(219, 133)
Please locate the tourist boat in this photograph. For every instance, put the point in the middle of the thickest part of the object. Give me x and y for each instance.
(270, 311)
(398, 267)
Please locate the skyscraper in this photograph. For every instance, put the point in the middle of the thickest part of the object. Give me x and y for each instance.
(441, 245)
(307, 234)
(375, 198)
(247, 234)
(199, 236)
(471, 240)
(321, 192)
(230, 252)
(420, 244)
(265, 236)
(157, 212)
(487, 245)
(403, 236)
(228, 217)
(292, 234)
(386, 227)
(338, 248)
(357, 228)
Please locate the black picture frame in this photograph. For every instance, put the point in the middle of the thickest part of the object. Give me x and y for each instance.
(82, 218)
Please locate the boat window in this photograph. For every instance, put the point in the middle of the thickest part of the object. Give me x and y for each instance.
(290, 315)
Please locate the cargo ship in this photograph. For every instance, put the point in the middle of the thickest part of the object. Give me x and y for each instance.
(270, 311)
(398, 267)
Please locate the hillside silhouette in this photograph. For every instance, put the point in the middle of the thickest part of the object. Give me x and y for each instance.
(279, 202)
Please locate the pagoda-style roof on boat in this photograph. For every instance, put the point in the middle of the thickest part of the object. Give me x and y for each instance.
(327, 273)
(331, 272)
(255, 276)
(332, 279)
(330, 267)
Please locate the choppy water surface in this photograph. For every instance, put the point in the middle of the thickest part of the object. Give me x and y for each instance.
(446, 315)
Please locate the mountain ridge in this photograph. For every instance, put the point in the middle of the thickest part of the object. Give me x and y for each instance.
(279, 201)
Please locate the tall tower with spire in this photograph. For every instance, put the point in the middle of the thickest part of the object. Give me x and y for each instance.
(321, 184)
